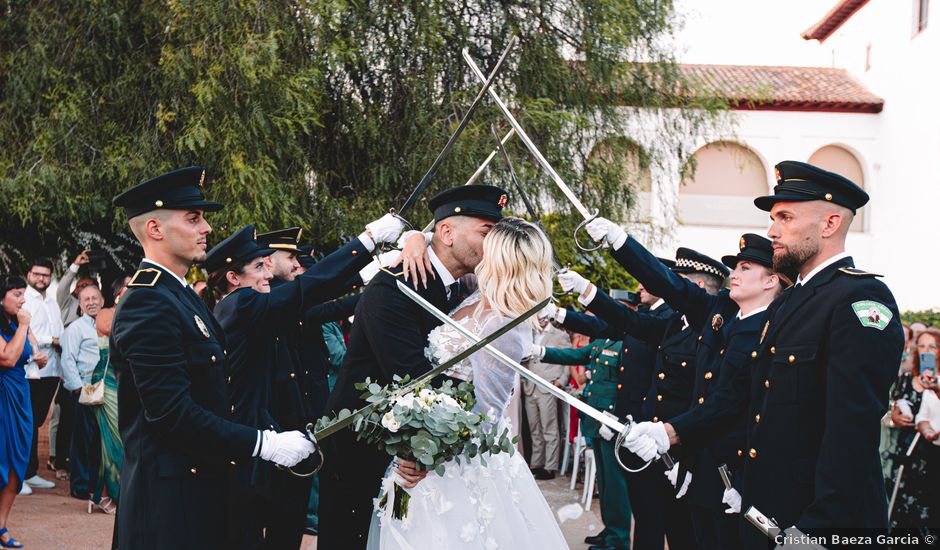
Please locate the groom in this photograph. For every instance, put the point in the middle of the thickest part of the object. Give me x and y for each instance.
(388, 337)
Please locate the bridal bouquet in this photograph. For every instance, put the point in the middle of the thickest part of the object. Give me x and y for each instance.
(429, 426)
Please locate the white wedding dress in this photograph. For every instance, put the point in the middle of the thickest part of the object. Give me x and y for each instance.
(472, 506)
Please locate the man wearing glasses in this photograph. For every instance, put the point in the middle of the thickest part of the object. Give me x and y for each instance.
(43, 381)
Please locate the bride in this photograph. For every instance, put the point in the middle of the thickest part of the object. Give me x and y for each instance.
(490, 502)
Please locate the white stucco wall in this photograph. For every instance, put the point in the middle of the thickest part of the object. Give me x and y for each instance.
(898, 149)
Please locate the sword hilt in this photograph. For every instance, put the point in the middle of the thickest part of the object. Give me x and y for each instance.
(586, 221)
(666, 458)
(313, 439)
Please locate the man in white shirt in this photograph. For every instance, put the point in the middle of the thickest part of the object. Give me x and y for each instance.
(46, 326)
(80, 355)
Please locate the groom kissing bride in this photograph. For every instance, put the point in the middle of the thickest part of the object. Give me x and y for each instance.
(471, 505)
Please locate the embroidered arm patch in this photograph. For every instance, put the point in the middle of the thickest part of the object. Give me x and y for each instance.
(872, 314)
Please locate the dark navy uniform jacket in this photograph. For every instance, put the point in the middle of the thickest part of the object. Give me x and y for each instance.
(636, 362)
(168, 354)
(724, 344)
(262, 369)
(818, 386)
(670, 386)
(311, 348)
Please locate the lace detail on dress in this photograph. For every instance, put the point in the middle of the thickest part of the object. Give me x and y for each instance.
(444, 343)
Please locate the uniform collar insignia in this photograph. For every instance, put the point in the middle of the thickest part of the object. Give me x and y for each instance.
(764, 333)
(201, 326)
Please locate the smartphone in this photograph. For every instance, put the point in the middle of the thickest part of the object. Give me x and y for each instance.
(928, 364)
(629, 296)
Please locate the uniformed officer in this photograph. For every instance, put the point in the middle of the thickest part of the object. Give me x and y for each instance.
(730, 323)
(602, 358)
(827, 354)
(265, 375)
(637, 360)
(169, 356)
(670, 392)
(388, 338)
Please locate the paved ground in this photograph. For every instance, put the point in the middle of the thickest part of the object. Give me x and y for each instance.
(52, 520)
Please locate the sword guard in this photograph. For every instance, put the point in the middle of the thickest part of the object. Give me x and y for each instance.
(627, 426)
(580, 226)
(386, 247)
(313, 439)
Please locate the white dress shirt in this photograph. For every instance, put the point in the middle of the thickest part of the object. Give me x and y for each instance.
(79, 353)
(446, 278)
(45, 325)
(801, 280)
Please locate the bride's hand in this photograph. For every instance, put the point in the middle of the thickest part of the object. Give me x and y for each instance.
(414, 259)
(409, 473)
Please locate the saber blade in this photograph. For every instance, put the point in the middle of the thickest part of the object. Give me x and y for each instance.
(487, 82)
(575, 201)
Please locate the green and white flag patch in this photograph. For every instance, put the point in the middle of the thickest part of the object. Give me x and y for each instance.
(872, 314)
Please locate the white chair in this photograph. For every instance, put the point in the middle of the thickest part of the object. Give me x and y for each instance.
(590, 476)
(580, 444)
(566, 448)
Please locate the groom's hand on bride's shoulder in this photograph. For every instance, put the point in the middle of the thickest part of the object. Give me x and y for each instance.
(408, 471)
(414, 258)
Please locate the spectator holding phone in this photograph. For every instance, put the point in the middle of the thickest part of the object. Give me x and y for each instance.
(911, 507)
(928, 424)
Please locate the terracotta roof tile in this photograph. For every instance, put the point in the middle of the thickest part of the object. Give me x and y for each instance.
(783, 88)
(834, 19)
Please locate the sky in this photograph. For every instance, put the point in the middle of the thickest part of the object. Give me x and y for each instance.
(751, 32)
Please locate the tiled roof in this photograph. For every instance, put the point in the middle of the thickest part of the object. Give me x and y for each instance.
(833, 20)
(749, 87)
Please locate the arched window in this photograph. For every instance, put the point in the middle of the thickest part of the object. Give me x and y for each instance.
(624, 160)
(841, 161)
(727, 178)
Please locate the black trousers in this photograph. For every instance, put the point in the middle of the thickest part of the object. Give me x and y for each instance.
(649, 529)
(714, 529)
(41, 392)
(85, 453)
(676, 515)
(63, 435)
(288, 513)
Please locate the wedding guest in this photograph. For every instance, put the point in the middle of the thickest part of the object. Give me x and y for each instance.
(911, 509)
(541, 407)
(16, 426)
(80, 356)
(46, 327)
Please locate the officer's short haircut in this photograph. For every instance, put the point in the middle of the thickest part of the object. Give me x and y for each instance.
(712, 283)
(41, 262)
(138, 222)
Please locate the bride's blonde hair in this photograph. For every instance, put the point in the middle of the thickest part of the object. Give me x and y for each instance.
(516, 271)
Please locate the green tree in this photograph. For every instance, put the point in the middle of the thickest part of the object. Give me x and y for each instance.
(322, 113)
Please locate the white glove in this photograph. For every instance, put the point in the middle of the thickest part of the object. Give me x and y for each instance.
(572, 281)
(538, 352)
(369, 271)
(647, 440)
(672, 476)
(732, 498)
(604, 430)
(386, 229)
(604, 229)
(548, 312)
(285, 448)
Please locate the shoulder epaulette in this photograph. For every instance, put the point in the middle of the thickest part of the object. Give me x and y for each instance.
(855, 272)
(145, 277)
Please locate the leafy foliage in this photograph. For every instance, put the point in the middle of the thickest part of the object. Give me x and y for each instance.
(929, 317)
(322, 113)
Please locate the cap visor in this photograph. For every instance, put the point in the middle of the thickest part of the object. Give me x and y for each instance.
(767, 202)
(207, 206)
